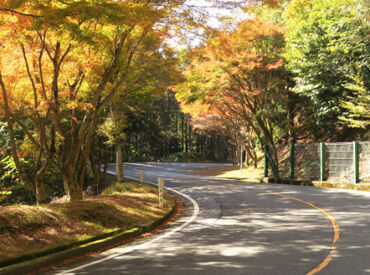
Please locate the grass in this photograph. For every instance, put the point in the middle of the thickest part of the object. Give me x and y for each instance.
(29, 229)
(343, 185)
(249, 173)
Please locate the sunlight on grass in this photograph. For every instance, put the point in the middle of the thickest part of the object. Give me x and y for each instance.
(121, 206)
(249, 173)
(118, 188)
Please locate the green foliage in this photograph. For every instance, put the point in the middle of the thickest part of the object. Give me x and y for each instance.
(11, 190)
(154, 129)
(357, 107)
(117, 188)
(328, 51)
(112, 129)
(9, 171)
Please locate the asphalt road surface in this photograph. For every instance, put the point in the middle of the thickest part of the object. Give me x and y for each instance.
(232, 227)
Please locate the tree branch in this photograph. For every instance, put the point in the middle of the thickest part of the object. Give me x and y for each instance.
(30, 76)
(21, 13)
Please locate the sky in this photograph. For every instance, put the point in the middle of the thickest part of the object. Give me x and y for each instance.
(213, 21)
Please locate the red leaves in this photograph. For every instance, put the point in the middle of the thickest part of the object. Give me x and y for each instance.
(233, 74)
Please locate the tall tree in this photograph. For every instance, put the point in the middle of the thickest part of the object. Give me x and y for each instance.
(151, 74)
(241, 77)
(328, 51)
(79, 55)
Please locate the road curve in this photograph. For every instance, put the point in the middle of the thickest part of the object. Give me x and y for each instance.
(232, 227)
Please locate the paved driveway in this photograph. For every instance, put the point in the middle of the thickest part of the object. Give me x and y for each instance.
(232, 227)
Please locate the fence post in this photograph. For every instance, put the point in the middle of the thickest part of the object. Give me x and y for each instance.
(355, 162)
(291, 161)
(266, 161)
(160, 191)
(241, 160)
(322, 161)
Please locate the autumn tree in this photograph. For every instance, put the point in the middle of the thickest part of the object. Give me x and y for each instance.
(20, 100)
(71, 58)
(241, 76)
(151, 74)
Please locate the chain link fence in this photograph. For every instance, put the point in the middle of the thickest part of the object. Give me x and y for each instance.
(307, 161)
(283, 160)
(338, 163)
(364, 161)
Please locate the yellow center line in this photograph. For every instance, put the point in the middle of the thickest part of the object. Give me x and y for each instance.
(334, 224)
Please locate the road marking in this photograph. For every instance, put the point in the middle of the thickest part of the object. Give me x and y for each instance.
(126, 250)
(336, 232)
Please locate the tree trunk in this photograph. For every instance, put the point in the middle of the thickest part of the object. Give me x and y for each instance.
(39, 181)
(233, 153)
(190, 140)
(182, 133)
(105, 169)
(252, 154)
(40, 191)
(247, 154)
(176, 124)
(73, 190)
(95, 168)
(186, 138)
(136, 142)
(119, 163)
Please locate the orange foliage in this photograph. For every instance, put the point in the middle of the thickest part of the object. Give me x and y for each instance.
(234, 75)
(61, 62)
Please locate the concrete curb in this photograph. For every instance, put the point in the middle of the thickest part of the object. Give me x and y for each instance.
(44, 261)
(325, 184)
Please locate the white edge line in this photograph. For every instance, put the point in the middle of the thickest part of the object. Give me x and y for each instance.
(143, 245)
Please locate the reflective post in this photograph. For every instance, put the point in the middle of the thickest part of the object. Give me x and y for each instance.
(160, 191)
(141, 177)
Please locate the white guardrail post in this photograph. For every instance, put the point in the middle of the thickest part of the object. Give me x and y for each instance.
(141, 177)
(160, 191)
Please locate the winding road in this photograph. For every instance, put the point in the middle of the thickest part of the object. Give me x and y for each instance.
(232, 227)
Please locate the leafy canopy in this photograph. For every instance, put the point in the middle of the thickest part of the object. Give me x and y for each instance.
(328, 51)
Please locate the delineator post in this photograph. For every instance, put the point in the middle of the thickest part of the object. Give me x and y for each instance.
(141, 177)
(160, 191)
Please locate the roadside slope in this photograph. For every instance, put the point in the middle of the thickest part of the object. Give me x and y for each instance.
(27, 230)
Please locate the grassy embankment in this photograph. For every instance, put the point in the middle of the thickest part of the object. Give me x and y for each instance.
(251, 174)
(30, 229)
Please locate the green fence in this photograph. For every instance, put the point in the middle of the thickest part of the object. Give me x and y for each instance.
(339, 162)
